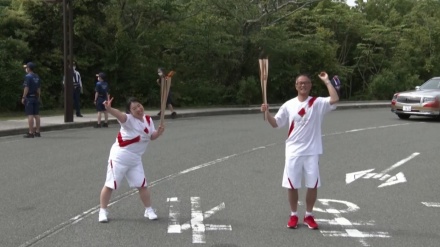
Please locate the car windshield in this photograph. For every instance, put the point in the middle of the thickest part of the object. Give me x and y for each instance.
(431, 84)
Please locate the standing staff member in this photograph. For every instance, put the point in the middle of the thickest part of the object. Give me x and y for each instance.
(304, 142)
(101, 95)
(125, 160)
(77, 90)
(31, 100)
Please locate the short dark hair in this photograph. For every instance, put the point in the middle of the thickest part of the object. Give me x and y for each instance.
(303, 74)
(128, 105)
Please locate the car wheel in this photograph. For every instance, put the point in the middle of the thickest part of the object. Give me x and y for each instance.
(403, 116)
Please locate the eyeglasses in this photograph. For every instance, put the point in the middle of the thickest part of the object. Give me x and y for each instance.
(303, 82)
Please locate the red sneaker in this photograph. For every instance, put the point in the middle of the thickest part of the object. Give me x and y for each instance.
(293, 222)
(310, 222)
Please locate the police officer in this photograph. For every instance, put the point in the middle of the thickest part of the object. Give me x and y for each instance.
(77, 90)
(31, 100)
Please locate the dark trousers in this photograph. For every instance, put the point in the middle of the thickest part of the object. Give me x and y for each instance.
(76, 98)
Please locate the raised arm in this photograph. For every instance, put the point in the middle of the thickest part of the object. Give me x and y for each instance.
(122, 117)
(334, 98)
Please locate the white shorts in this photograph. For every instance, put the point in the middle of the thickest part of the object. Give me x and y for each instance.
(294, 169)
(134, 173)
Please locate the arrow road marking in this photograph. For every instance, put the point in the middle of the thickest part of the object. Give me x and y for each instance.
(350, 177)
(432, 204)
(196, 222)
(382, 176)
(399, 178)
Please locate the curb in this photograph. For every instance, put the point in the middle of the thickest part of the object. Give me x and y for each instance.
(239, 111)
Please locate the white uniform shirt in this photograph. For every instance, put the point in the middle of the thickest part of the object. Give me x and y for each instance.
(132, 139)
(304, 119)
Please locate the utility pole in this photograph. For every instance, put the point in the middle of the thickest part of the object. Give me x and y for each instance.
(68, 60)
(68, 57)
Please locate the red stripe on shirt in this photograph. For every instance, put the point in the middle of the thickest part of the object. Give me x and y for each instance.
(311, 101)
(124, 143)
(292, 125)
(148, 118)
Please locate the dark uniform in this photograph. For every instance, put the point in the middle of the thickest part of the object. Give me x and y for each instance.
(32, 102)
(102, 89)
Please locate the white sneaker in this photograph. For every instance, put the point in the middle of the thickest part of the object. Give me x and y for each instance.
(103, 216)
(150, 214)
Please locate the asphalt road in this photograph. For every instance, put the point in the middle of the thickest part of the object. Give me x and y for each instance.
(220, 180)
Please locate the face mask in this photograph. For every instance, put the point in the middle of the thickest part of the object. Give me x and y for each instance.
(160, 73)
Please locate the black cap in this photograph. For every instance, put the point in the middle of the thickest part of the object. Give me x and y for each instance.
(30, 65)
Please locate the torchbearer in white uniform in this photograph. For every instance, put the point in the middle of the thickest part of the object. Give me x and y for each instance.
(125, 160)
(304, 115)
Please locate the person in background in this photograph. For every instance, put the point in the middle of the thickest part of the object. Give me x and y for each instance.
(101, 95)
(31, 100)
(77, 90)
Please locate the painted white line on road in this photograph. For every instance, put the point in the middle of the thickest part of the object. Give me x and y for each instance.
(363, 129)
(341, 222)
(206, 215)
(432, 204)
(412, 156)
(209, 227)
(355, 234)
(173, 217)
(197, 225)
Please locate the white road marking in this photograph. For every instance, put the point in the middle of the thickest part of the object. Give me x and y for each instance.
(206, 215)
(412, 156)
(350, 177)
(432, 204)
(197, 220)
(399, 178)
(197, 225)
(363, 129)
(342, 222)
(173, 222)
(116, 199)
(392, 180)
(353, 233)
(350, 231)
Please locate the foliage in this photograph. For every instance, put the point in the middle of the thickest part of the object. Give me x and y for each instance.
(377, 48)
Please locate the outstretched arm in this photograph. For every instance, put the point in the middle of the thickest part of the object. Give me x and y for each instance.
(334, 98)
(269, 117)
(122, 117)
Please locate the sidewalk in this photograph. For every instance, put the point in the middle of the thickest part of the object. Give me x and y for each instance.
(48, 123)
